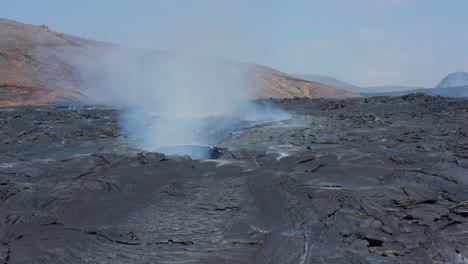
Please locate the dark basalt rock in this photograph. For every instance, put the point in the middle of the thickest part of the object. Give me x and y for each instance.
(196, 152)
(374, 180)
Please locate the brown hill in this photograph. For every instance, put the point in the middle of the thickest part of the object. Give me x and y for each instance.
(38, 66)
(270, 83)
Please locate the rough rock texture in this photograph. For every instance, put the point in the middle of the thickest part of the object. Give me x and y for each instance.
(38, 66)
(375, 180)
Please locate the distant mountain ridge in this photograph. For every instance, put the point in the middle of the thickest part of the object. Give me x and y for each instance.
(39, 66)
(453, 85)
(455, 79)
(460, 91)
(351, 87)
(389, 88)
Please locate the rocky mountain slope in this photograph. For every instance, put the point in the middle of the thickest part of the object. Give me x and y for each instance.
(270, 83)
(38, 65)
(330, 81)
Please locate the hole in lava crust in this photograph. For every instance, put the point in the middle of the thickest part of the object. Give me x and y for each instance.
(196, 152)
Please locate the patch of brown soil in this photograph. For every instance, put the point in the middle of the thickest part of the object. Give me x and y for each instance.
(270, 83)
(33, 95)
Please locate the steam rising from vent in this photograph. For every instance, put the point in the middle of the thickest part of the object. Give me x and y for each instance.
(176, 100)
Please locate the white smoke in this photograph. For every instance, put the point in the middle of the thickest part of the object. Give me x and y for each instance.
(173, 99)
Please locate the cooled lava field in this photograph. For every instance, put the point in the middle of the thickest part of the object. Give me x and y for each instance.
(362, 180)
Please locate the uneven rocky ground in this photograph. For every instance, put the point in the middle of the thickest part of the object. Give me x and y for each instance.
(375, 180)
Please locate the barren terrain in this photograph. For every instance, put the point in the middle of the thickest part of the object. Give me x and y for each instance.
(375, 180)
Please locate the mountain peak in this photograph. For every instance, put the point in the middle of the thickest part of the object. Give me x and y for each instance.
(454, 80)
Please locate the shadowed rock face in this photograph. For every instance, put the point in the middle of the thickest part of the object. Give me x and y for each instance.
(39, 66)
(376, 180)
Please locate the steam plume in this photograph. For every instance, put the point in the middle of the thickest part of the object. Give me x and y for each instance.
(175, 100)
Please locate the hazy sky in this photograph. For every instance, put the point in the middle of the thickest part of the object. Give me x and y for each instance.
(365, 42)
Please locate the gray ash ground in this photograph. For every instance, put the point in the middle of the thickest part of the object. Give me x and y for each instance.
(368, 180)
